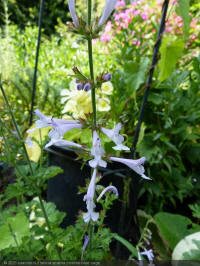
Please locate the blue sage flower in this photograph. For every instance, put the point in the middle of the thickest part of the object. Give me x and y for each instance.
(79, 86)
(107, 77)
(135, 165)
(109, 188)
(72, 10)
(86, 240)
(87, 86)
(89, 198)
(109, 7)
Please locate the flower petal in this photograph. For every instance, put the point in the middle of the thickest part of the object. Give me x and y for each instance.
(109, 6)
(109, 188)
(72, 10)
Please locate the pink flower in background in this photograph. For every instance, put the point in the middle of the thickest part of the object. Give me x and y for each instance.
(108, 27)
(135, 12)
(133, 33)
(105, 38)
(144, 16)
(120, 3)
(168, 29)
(136, 42)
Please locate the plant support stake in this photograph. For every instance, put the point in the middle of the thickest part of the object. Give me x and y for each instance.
(150, 75)
(134, 185)
(36, 61)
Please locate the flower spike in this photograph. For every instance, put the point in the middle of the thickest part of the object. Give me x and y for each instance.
(109, 7)
(135, 165)
(72, 10)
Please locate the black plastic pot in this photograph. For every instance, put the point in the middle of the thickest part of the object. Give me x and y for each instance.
(62, 190)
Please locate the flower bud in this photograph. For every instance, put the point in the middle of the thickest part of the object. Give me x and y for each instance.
(79, 86)
(107, 77)
(87, 87)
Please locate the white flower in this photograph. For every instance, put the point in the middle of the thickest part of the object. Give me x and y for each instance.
(60, 128)
(90, 215)
(72, 10)
(109, 7)
(148, 253)
(109, 188)
(46, 121)
(89, 198)
(58, 132)
(97, 151)
(62, 143)
(135, 165)
(114, 135)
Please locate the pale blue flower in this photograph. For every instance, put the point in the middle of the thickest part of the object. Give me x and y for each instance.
(109, 7)
(109, 188)
(60, 128)
(97, 151)
(58, 131)
(62, 143)
(89, 198)
(72, 10)
(135, 165)
(107, 77)
(148, 253)
(114, 135)
(86, 240)
(46, 121)
(29, 142)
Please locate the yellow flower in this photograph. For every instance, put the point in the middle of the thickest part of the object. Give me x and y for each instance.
(78, 102)
(103, 104)
(107, 88)
(34, 152)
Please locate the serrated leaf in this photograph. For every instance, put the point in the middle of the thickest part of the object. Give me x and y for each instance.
(49, 172)
(171, 50)
(20, 228)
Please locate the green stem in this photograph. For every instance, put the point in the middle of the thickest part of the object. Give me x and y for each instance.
(16, 128)
(28, 161)
(13, 235)
(90, 57)
(89, 11)
(92, 78)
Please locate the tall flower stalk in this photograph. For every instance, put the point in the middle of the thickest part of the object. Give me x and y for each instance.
(90, 57)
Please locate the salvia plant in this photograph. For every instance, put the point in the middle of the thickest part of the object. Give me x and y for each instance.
(97, 158)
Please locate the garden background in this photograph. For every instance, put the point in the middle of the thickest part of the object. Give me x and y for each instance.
(170, 132)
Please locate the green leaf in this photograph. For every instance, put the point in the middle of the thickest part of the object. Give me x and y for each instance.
(20, 228)
(174, 227)
(171, 50)
(155, 98)
(127, 244)
(49, 172)
(136, 73)
(183, 10)
(188, 248)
